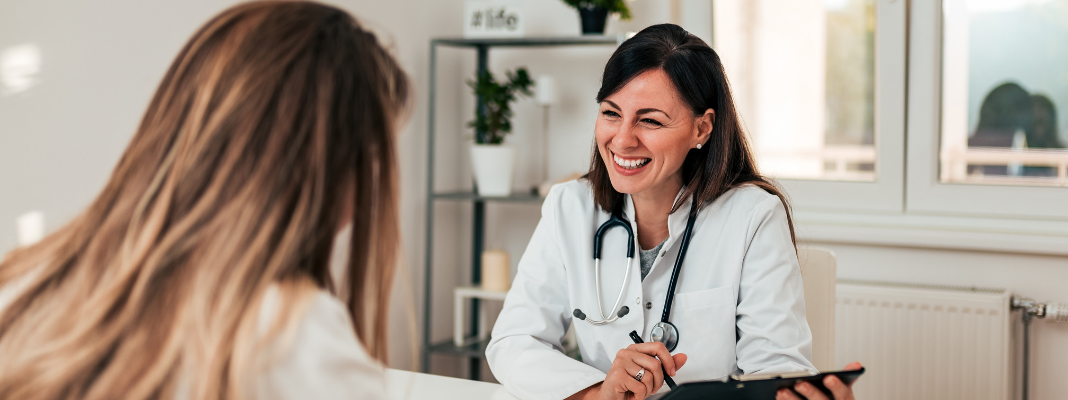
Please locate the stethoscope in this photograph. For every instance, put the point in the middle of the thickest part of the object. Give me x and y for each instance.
(664, 332)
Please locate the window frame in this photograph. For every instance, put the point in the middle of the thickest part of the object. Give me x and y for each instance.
(907, 206)
(926, 194)
(886, 193)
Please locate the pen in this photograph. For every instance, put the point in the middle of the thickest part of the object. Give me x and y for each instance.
(638, 340)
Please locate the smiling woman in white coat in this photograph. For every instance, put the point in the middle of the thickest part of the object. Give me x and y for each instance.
(670, 152)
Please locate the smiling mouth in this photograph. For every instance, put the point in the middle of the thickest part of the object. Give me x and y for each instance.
(630, 163)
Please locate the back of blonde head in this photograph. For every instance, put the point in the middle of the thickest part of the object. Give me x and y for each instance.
(272, 116)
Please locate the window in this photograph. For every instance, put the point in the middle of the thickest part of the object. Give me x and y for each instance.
(1004, 92)
(820, 86)
(961, 165)
(803, 74)
(826, 104)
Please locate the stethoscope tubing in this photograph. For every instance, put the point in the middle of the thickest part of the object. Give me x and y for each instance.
(616, 219)
(685, 245)
(619, 299)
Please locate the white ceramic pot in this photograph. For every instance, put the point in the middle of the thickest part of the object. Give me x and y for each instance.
(493, 165)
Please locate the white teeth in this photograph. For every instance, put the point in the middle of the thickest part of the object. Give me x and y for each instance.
(629, 164)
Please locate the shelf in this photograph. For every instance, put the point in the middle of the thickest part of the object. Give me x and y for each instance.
(472, 348)
(479, 293)
(531, 41)
(472, 196)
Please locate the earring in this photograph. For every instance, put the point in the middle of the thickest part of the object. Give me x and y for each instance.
(698, 146)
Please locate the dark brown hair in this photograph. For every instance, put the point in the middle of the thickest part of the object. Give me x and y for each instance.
(726, 161)
(271, 114)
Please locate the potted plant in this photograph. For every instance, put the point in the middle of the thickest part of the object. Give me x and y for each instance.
(493, 162)
(594, 13)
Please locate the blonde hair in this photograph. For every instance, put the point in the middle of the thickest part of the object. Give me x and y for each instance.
(272, 115)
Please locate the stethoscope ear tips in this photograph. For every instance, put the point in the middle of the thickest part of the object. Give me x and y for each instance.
(622, 311)
(578, 314)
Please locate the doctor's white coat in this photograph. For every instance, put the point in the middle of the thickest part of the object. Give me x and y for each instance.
(739, 305)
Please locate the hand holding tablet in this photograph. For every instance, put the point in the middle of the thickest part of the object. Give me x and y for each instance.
(839, 389)
(833, 385)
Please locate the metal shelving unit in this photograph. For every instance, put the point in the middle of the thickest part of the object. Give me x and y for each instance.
(473, 351)
(471, 196)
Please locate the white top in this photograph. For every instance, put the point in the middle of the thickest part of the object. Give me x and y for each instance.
(739, 305)
(323, 359)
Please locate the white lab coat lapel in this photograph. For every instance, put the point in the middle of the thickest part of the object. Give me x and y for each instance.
(635, 320)
(655, 285)
(676, 226)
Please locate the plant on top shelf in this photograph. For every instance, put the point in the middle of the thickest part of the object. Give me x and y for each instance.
(593, 14)
(495, 122)
(618, 7)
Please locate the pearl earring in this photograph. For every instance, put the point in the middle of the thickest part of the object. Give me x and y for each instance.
(698, 146)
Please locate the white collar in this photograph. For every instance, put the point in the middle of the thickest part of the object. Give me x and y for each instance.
(676, 221)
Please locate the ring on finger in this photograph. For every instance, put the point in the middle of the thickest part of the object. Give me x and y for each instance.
(640, 375)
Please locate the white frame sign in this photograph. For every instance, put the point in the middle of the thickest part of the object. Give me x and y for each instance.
(493, 19)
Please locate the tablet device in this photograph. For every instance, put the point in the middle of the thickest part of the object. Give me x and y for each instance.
(752, 387)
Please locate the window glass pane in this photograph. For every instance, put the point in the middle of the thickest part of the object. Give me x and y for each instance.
(802, 73)
(1004, 79)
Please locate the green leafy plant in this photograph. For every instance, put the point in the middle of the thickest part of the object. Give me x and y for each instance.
(491, 125)
(618, 7)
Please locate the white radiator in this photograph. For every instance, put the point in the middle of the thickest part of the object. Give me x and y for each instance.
(925, 342)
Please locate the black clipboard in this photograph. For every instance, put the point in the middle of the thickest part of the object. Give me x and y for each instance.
(751, 387)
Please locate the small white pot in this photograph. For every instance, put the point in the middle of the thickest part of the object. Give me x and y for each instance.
(493, 166)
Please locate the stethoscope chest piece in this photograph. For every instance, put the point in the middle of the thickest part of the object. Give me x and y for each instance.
(666, 333)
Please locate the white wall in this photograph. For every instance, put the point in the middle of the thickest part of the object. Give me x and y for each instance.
(102, 60)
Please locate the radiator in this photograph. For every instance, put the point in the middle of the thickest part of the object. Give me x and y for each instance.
(925, 342)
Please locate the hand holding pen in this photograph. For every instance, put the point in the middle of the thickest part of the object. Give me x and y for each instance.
(637, 372)
(667, 379)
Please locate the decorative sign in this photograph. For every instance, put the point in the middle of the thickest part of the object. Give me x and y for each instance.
(503, 19)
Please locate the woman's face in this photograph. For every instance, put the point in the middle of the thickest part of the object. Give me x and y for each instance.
(644, 132)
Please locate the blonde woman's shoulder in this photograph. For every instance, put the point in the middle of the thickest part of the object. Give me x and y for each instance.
(321, 357)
